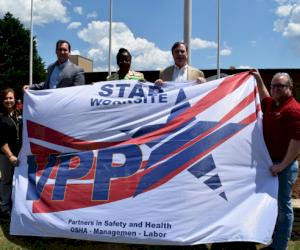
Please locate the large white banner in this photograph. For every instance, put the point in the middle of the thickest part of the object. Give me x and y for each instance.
(126, 161)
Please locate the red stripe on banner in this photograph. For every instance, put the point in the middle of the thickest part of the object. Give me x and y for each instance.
(76, 195)
(38, 131)
(228, 85)
(258, 108)
(243, 104)
(239, 107)
(79, 195)
(42, 154)
(189, 163)
(41, 150)
(249, 119)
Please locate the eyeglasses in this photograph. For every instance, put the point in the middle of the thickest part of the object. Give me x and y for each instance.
(278, 86)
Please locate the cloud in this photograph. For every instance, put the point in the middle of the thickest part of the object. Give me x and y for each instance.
(74, 25)
(78, 10)
(198, 43)
(282, 1)
(225, 52)
(244, 67)
(43, 11)
(288, 22)
(75, 52)
(292, 30)
(92, 15)
(145, 55)
(284, 10)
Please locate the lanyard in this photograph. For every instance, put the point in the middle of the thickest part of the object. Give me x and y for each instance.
(16, 123)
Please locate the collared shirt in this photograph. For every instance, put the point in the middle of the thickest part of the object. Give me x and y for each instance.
(180, 74)
(280, 125)
(131, 75)
(55, 74)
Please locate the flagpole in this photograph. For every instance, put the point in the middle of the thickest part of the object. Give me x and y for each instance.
(110, 37)
(31, 45)
(188, 26)
(218, 38)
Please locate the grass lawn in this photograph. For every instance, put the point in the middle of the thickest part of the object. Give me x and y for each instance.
(18, 242)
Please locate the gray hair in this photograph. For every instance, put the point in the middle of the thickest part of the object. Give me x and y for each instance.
(289, 81)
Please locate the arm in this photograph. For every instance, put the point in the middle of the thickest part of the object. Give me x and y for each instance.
(4, 144)
(201, 74)
(165, 75)
(37, 86)
(41, 85)
(11, 157)
(159, 81)
(79, 78)
(33, 86)
(291, 154)
(262, 90)
(201, 78)
(141, 77)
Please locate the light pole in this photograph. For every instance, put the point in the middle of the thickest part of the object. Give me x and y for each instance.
(219, 39)
(31, 45)
(109, 45)
(188, 26)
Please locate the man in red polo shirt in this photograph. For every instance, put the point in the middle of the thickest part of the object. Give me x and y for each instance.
(281, 128)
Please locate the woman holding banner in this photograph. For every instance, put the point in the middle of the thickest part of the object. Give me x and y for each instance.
(10, 144)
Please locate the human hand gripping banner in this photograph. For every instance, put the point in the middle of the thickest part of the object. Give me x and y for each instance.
(130, 162)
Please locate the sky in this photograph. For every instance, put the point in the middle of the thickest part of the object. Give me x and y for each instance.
(254, 33)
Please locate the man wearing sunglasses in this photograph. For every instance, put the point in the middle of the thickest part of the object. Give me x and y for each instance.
(62, 73)
(281, 128)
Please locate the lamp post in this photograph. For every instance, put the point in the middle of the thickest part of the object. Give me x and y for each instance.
(188, 26)
(31, 45)
(110, 36)
(219, 39)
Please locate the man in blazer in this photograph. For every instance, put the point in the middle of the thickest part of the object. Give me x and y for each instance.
(180, 71)
(62, 73)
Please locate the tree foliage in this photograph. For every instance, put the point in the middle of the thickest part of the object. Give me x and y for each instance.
(14, 55)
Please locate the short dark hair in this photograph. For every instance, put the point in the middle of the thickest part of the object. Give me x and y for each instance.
(177, 44)
(121, 51)
(59, 42)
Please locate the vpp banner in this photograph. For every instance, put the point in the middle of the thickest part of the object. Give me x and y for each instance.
(126, 161)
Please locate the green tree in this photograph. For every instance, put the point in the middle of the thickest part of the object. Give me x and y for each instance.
(14, 55)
